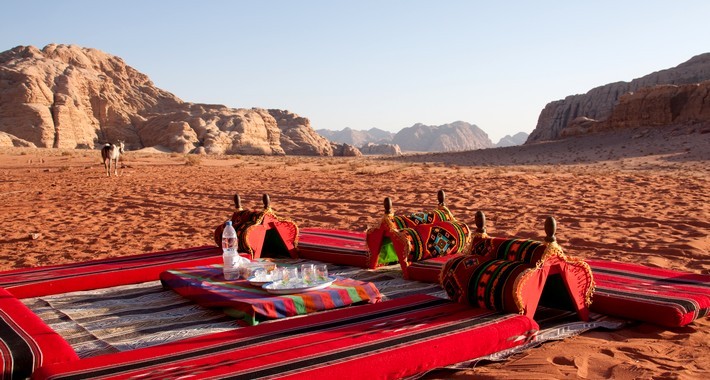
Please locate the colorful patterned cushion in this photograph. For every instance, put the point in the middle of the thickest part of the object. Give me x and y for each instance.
(26, 343)
(434, 240)
(490, 284)
(517, 286)
(529, 251)
(425, 217)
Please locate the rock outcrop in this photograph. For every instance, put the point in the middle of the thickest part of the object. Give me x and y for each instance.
(297, 136)
(345, 150)
(65, 96)
(8, 140)
(456, 136)
(656, 106)
(381, 149)
(599, 103)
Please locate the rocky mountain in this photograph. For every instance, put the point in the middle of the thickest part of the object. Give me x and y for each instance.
(600, 103)
(373, 141)
(517, 139)
(357, 137)
(656, 106)
(65, 96)
(456, 136)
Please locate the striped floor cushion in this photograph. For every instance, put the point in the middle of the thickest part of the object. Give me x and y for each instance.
(95, 274)
(518, 287)
(26, 342)
(525, 250)
(661, 296)
(391, 339)
(428, 270)
(335, 246)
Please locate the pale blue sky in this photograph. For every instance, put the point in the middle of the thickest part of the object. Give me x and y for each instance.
(384, 64)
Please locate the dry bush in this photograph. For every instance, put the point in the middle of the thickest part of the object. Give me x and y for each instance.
(193, 160)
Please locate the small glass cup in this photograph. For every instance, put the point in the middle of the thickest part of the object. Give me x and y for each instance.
(258, 274)
(321, 272)
(275, 274)
(289, 275)
(308, 273)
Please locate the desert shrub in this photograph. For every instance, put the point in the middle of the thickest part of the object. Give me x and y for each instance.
(193, 160)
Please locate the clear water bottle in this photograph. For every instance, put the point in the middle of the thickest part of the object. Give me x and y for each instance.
(229, 252)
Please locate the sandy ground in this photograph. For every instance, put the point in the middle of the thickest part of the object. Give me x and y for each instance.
(639, 196)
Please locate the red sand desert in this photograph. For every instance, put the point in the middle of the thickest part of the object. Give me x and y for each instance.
(644, 203)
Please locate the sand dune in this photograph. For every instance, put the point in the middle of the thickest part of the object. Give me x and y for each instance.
(645, 203)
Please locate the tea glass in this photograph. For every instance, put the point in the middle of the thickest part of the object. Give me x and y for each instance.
(308, 273)
(289, 275)
(321, 271)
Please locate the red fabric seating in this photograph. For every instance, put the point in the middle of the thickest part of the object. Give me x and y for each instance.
(528, 251)
(425, 217)
(335, 246)
(95, 274)
(428, 270)
(661, 296)
(26, 343)
(419, 236)
(262, 234)
(393, 339)
(527, 274)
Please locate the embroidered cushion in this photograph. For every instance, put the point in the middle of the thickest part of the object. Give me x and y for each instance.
(529, 251)
(434, 240)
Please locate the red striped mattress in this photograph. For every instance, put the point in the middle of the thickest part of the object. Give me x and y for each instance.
(665, 297)
(391, 339)
(336, 247)
(26, 342)
(95, 274)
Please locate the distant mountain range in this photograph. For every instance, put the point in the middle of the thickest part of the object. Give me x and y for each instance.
(356, 137)
(450, 137)
(69, 97)
(516, 139)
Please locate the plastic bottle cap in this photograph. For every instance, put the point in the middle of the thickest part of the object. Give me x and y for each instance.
(229, 222)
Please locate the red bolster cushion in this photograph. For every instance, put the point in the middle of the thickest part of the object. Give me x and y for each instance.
(26, 342)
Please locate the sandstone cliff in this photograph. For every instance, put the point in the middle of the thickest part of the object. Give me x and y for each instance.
(456, 136)
(656, 106)
(65, 96)
(599, 103)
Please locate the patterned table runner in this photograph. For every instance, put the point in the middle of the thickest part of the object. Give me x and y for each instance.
(206, 286)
